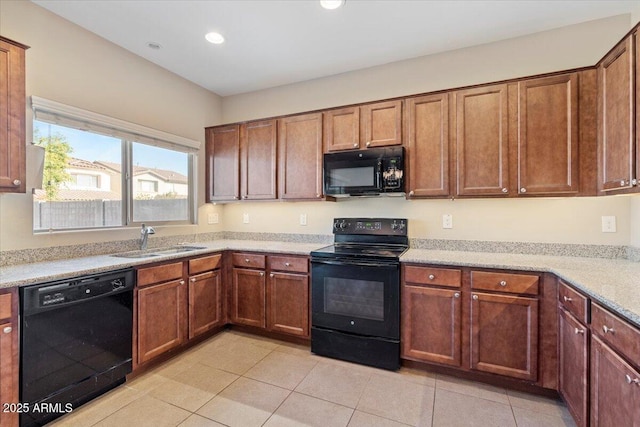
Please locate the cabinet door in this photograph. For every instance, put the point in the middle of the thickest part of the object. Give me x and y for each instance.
(615, 388)
(248, 294)
(161, 319)
(205, 302)
(573, 353)
(548, 135)
(504, 335)
(223, 163)
(431, 325)
(300, 158)
(8, 372)
(288, 303)
(12, 118)
(381, 124)
(258, 169)
(427, 127)
(482, 157)
(341, 129)
(616, 145)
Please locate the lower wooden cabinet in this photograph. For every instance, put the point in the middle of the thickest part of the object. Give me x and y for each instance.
(573, 366)
(504, 335)
(205, 303)
(8, 356)
(288, 302)
(248, 297)
(615, 388)
(161, 318)
(431, 320)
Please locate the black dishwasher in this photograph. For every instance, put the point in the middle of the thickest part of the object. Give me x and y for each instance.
(75, 342)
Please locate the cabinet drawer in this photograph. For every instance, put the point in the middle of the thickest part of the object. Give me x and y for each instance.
(289, 263)
(504, 282)
(432, 276)
(248, 260)
(616, 332)
(575, 303)
(5, 306)
(203, 264)
(159, 273)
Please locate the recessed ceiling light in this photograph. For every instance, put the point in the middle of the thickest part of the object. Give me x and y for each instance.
(153, 45)
(331, 4)
(215, 38)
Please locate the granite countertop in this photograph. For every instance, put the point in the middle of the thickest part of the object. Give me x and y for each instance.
(614, 283)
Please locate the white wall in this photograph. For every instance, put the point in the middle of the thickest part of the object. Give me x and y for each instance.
(71, 65)
(634, 217)
(562, 220)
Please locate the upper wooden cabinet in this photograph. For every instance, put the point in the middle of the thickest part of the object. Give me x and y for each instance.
(12, 117)
(222, 152)
(482, 141)
(258, 160)
(370, 125)
(616, 119)
(300, 157)
(427, 135)
(548, 135)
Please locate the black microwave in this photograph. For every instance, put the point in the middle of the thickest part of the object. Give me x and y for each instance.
(364, 172)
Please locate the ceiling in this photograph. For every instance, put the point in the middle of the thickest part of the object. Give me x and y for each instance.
(273, 43)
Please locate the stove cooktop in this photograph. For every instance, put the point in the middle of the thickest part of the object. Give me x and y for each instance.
(360, 250)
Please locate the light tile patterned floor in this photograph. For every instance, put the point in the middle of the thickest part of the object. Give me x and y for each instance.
(235, 379)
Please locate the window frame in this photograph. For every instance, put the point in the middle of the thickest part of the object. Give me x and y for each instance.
(48, 111)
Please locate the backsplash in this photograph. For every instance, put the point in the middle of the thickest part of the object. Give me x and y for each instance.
(27, 256)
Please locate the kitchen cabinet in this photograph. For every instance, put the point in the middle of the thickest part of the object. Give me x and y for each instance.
(548, 135)
(573, 354)
(248, 290)
(617, 159)
(222, 153)
(258, 160)
(504, 328)
(432, 315)
(615, 388)
(482, 141)
(300, 157)
(427, 133)
(12, 116)
(9, 343)
(288, 295)
(169, 312)
(369, 125)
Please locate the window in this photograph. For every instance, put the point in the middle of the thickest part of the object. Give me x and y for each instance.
(102, 172)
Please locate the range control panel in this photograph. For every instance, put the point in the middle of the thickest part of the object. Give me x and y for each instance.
(371, 226)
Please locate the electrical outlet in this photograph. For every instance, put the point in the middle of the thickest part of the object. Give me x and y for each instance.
(447, 221)
(609, 224)
(212, 218)
(245, 218)
(303, 219)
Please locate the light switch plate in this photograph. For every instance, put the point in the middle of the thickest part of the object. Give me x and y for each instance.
(212, 218)
(609, 224)
(303, 219)
(447, 221)
(245, 218)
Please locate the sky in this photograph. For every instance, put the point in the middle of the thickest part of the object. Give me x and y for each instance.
(92, 146)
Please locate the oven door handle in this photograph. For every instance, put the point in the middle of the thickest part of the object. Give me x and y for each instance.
(358, 263)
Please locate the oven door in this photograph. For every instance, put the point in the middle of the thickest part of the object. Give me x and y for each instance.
(359, 297)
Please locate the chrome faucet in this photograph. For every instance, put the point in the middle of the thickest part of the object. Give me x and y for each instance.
(144, 236)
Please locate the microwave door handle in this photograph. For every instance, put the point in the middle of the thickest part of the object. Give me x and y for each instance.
(378, 183)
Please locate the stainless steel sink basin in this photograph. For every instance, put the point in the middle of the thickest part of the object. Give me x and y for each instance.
(149, 253)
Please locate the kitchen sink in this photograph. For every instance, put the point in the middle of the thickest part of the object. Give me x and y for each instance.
(149, 253)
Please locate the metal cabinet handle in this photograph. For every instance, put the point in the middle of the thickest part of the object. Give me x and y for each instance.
(431, 277)
(17, 182)
(523, 190)
(566, 298)
(271, 275)
(475, 297)
(607, 330)
(579, 331)
(355, 145)
(287, 264)
(7, 330)
(411, 193)
(623, 183)
(261, 274)
(456, 295)
(630, 380)
(368, 143)
(193, 280)
(503, 283)
(504, 190)
(247, 260)
(182, 282)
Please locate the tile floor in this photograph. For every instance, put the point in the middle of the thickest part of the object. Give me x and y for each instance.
(235, 379)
